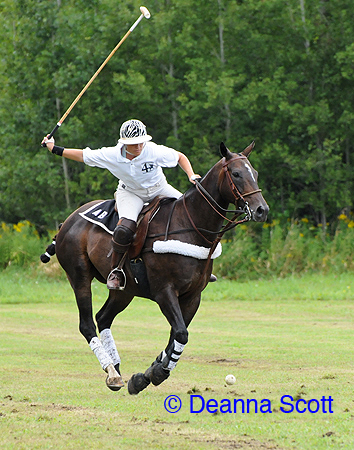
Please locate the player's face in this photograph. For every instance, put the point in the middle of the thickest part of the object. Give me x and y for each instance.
(135, 149)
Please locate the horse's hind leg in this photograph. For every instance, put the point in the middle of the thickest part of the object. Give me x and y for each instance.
(81, 284)
(116, 303)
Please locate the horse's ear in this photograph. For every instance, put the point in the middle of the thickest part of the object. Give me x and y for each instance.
(225, 152)
(248, 149)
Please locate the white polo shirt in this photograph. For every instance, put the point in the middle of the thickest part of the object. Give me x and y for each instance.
(143, 171)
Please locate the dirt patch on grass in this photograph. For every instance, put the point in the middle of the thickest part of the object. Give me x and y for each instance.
(242, 444)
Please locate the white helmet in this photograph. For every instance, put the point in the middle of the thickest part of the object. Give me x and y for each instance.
(133, 132)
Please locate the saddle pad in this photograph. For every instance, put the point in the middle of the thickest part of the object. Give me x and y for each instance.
(102, 214)
(185, 249)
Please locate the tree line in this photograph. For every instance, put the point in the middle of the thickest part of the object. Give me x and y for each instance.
(196, 73)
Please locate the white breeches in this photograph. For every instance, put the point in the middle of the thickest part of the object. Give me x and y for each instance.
(130, 202)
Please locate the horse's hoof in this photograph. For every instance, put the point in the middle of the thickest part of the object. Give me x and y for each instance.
(115, 383)
(137, 383)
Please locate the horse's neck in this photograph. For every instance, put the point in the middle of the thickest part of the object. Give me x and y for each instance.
(202, 210)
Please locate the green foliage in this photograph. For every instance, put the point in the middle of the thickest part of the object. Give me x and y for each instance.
(277, 73)
(252, 251)
(20, 245)
(287, 248)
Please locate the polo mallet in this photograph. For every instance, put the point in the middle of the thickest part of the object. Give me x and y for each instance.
(144, 13)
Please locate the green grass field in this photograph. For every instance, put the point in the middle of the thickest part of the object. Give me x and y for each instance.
(278, 337)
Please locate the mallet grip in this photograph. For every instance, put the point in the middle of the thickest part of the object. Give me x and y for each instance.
(52, 132)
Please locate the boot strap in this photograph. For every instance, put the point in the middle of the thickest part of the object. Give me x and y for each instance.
(120, 248)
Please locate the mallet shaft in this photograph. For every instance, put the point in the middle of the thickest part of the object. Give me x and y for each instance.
(93, 77)
(145, 13)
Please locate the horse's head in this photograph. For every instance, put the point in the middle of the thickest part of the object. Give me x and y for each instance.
(238, 183)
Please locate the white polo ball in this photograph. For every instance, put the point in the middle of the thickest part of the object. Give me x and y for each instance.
(230, 379)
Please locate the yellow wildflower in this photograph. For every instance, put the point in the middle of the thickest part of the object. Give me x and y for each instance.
(4, 226)
(17, 228)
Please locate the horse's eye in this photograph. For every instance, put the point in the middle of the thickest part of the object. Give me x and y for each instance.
(236, 174)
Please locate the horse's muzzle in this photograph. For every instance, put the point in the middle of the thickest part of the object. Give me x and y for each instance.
(261, 213)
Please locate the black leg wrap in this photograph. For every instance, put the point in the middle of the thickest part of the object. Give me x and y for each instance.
(158, 374)
(137, 383)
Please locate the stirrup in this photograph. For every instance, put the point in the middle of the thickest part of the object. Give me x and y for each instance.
(116, 277)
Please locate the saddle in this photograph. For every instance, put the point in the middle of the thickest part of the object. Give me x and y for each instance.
(145, 217)
(105, 215)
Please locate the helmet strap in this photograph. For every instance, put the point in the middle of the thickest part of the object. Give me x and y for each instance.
(125, 151)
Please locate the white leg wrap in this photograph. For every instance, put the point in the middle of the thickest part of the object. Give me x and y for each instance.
(110, 346)
(176, 354)
(103, 357)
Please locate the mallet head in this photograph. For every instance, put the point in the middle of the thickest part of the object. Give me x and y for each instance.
(145, 12)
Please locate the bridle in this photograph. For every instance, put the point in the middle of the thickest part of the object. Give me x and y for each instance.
(235, 192)
(234, 189)
(231, 223)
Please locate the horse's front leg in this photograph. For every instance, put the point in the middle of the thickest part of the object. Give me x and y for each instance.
(161, 368)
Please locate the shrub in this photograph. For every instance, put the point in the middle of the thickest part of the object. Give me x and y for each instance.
(286, 248)
(20, 244)
(251, 251)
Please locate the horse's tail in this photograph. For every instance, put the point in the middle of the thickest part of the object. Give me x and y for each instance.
(50, 250)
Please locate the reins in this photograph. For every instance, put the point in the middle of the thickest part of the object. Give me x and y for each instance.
(231, 223)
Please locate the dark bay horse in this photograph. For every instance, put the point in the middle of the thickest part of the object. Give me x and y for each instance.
(194, 222)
